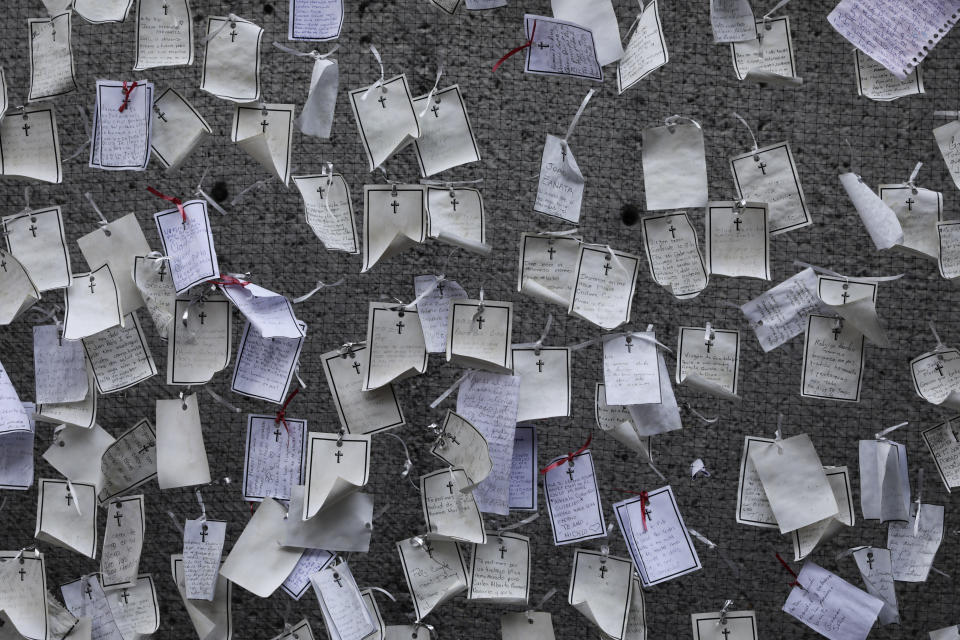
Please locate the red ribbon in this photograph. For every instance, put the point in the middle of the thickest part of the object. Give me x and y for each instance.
(644, 501)
(569, 458)
(282, 414)
(126, 95)
(518, 49)
(176, 201)
(796, 578)
(227, 281)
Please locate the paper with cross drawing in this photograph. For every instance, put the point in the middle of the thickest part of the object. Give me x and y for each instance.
(573, 500)
(122, 542)
(446, 137)
(202, 547)
(647, 50)
(385, 117)
(119, 356)
(79, 414)
(855, 301)
(164, 34)
(336, 467)
(461, 445)
(60, 367)
(128, 462)
(329, 210)
(51, 57)
(76, 452)
(831, 606)
(181, 456)
(617, 421)
(874, 81)
(769, 175)
(753, 507)
(344, 612)
(768, 57)
(211, 620)
(434, 308)
(560, 48)
(603, 285)
(600, 19)
(884, 480)
(732, 21)
(601, 588)
(913, 547)
(630, 369)
(943, 442)
(876, 571)
(86, 599)
(529, 625)
(662, 550)
(735, 625)
(500, 569)
(266, 132)
(17, 291)
(780, 313)
(315, 20)
(879, 219)
(31, 145)
(524, 470)
(152, 279)
(794, 482)
(480, 336)
(298, 582)
(265, 367)
(948, 249)
(457, 218)
(359, 411)
(658, 417)
(201, 345)
(674, 167)
(231, 60)
(489, 402)
(673, 252)
(189, 245)
(274, 457)
(806, 539)
(345, 526)
(918, 211)
(257, 562)
(709, 365)
(92, 304)
(738, 239)
(450, 512)
(16, 456)
(122, 122)
(434, 571)
(371, 604)
(833, 360)
(394, 219)
(936, 377)
(37, 240)
(67, 516)
(23, 592)
(547, 265)
(544, 382)
(396, 349)
(117, 244)
(177, 128)
(561, 185)
(270, 313)
(136, 611)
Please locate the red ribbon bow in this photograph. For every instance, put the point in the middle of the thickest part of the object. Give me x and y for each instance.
(644, 502)
(126, 95)
(282, 414)
(225, 281)
(518, 49)
(176, 201)
(568, 458)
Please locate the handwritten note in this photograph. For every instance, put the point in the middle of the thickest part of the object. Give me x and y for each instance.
(547, 266)
(832, 360)
(832, 606)
(121, 136)
(647, 50)
(780, 313)
(943, 441)
(51, 58)
(500, 570)
(189, 244)
(315, 20)
(119, 356)
(523, 472)
(275, 457)
(122, 542)
(59, 366)
(329, 211)
(202, 546)
(560, 187)
(480, 336)
(434, 571)
(604, 283)
(768, 55)
(672, 249)
(573, 500)
(129, 462)
(164, 34)
(913, 547)
(738, 239)
(264, 367)
(359, 411)
(732, 20)
(434, 309)
(874, 81)
(569, 49)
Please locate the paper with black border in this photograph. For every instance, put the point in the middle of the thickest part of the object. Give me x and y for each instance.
(446, 137)
(315, 20)
(92, 304)
(573, 500)
(122, 542)
(833, 360)
(212, 620)
(37, 240)
(712, 368)
(943, 442)
(122, 125)
(24, 600)
(577, 57)
(462, 445)
(359, 411)
(523, 470)
(275, 457)
(806, 539)
(117, 244)
(35, 155)
(164, 34)
(472, 344)
(778, 185)
(329, 210)
(120, 357)
(51, 60)
(738, 240)
(598, 298)
(60, 523)
(500, 569)
(738, 625)
(231, 60)
(266, 132)
(603, 599)
(385, 117)
(434, 308)
(396, 348)
(129, 462)
(336, 467)
(450, 513)
(203, 345)
(177, 129)
(647, 50)
(17, 293)
(189, 245)
(433, 576)
(76, 452)
(676, 262)
(265, 366)
(768, 56)
(549, 279)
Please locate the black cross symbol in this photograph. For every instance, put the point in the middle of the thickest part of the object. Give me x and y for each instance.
(233, 35)
(709, 344)
(647, 510)
(845, 296)
(763, 167)
(33, 230)
(276, 435)
(356, 365)
(26, 129)
(338, 455)
(428, 548)
(570, 471)
(502, 551)
(450, 486)
(338, 580)
(163, 270)
(870, 559)
(3, 263)
(909, 202)
(54, 34)
(563, 153)
(672, 231)
(89, 591)
(320, 191)
(394, 204)
(837, 330)
(145, 448)
(603, 571)
(939, 368)
(264, 124)
(737, 221)
(454, 202)
(551, 251)
(725, 633)
(92, 284)
(125, 596)
(606, 268)
(629, 342)
(453, 439)
(480, 322)
(400, 327)
(202, 316)
(22, 573)
(435, 109)
(160, 114)
(540, 45)
(383, 102)
(164, 8)
(69, 498)
(440, 288)
(118, 516)
(539, 364)
(203, 533)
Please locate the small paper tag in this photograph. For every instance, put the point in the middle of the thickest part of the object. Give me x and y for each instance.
(265, 366)
(177, 126)
(434, 571)
(601, 588)
(67, 516)
(943, 441)
(336, 467)
(461, 445)
(164, 34)
(209, 619)
(832, 360)
(709, 365)
(457, 218)
(879, 219)
(266, 133)
(119, 356)
(726, 625)
(544, 382)
(329, 211)
(129, 462)
(478, 334)
(31, 144)
(17, 293)
(876, 83)
(573, 500)
(768, 56)
(200, 341)
(385, 118)
(779, 314)
(122, 125)
(500, 570)
(732, 21)
(153, 281)
(830, 605)
(181, 456)
(315, 20)
(948, 249)
(630, 369)
(913, 547)
(808, 538)
(359, 411)
(523, 470)
(394, 219)
(560, 48)
(753, 508)
(560, 187)
(51, 57)
(92, 304)
(884, 480)
(60, 367)
(257, 562)
(37, 240)
(189, 244)
(446, 137)
(395, 345)
(603, 285)
(674, 167)
(946, 136)
(23, 591)
(231, 61)
(202, 547)
(769, 174)
(738, 240)
(434, 309)
(117, 244)
(312, 561)
(876, 571)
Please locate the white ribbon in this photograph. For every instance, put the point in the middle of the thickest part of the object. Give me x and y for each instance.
(203, 194)
(378, 83)
(320, 285)
(576, 119)
(880, 435)
(671, 121)
(433, 91)
(103, 219)
(741, 119)
(828, 272)
(443, 396)
(543, 336)
(86, 128)
(220, 399)
(518, 524)
(913, 178)
(316, 55)
(776, 8)
(255, 185)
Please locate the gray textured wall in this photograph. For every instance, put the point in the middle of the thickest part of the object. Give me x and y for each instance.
(511, 114)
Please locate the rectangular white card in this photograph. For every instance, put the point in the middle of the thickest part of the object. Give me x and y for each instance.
(769, 174)
(573, 500)
(359, 411)
(189, 244)
(832, 360)
(275, 457)
(738, 239)
(265, 366)
(231, 61)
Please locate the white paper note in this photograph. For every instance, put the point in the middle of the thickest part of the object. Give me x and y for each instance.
(359, 411)
(274, 458)
(231, 61)
(674, 166)
(647, 50)
(164, 34)
(181, 456)
(446, 137)
(573, 500)
(36, 238)
(257, 562)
